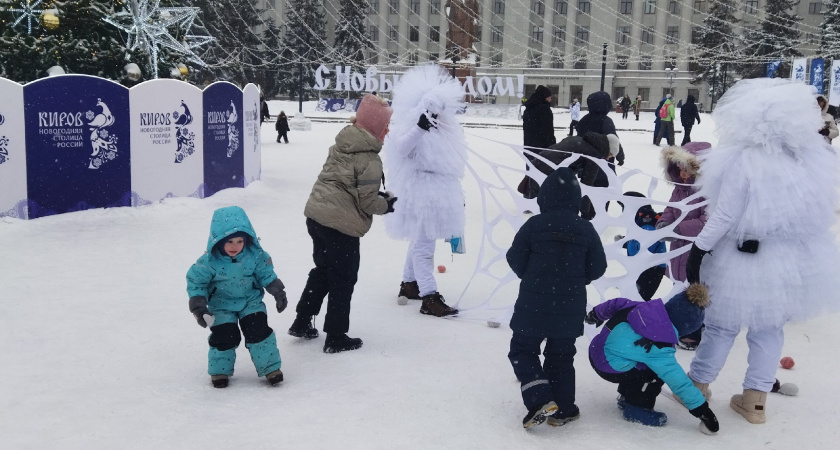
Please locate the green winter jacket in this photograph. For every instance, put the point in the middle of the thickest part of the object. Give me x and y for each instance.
(230, 283)
(671, 113)
(345, 196)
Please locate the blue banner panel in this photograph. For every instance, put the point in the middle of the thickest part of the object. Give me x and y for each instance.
(817, 70)
(78, 143)
(224, 165)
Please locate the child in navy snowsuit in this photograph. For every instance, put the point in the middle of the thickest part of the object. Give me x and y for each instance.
(556, 254)
(225, 287)
(649, 280)
(636, 350)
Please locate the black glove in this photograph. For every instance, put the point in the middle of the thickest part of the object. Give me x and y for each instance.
(698, 121)
(424, 122)
(592, 319)
(692, 265)
(824, 131)
(198, 308)
(705, 414)
(277, 289)
(621, 162)
(391, 201)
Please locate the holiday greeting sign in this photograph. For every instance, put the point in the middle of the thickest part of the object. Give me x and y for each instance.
(12, 151)
(251, 125)
(167, 141)
(77, 144)
(223, 134)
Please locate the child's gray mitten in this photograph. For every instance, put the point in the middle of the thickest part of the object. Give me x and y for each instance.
(198, 308)
(277, 289)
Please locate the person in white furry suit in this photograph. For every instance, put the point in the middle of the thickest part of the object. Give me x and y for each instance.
(424, 157)
(764, 265)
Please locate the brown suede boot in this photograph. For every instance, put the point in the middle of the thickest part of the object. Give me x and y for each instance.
(704, 389)
(408, 291)
(750, 404)
(433, 305)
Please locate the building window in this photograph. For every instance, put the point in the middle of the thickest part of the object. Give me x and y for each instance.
(496, 60)
(393, 34)
(412, 59)
(647, 35)
(393, 58)
(580, 63)
(477, 33)
(751, 6)
(535, 61)
(811, 38)
(413, 34)
(394, 7)
(373, 7)
(374, 58)
(536, 34)
(556, 61)
(622, 35)
(434, 34)
(645, 63)
(584, 6)
(815, 8)
(644, 93)
(673, 35)
(694, 93)
(373, 32)
(415, 7)
(497, 35)
(695, 34)
(581, 35)
(674, 7)
(700, 5)
(538, 7)
(621, 63)
(561, 7)
(559, 35)
(498, 8)
(626, 6)
(693, 66)
(434, 6)
(434, 56)
(650, 6)
(671, 62)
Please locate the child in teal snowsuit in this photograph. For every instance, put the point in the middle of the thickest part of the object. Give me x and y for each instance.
(225, 287)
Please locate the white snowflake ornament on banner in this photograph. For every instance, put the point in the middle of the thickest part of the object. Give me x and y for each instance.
(148, 28)
(27, 12)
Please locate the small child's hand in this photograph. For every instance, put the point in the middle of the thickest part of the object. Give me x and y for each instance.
(277, 289)
(198, 308)
(281, 301)
(592, 319)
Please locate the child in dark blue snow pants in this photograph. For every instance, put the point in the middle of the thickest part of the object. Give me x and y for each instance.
(225, 287)
(556, 254)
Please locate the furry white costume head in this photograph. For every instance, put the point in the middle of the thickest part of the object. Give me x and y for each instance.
(426, 88)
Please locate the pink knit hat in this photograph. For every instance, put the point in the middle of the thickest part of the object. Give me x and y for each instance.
(373, 115)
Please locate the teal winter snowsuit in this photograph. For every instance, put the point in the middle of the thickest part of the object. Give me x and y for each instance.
(233, 288)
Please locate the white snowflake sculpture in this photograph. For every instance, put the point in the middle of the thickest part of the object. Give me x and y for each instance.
(148, 27)
(27, 11)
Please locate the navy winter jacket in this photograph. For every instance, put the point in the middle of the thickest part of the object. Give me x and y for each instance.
(538, 123)
(688, 112)
(556, 254)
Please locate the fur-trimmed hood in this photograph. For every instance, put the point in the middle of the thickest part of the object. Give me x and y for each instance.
(673, 159)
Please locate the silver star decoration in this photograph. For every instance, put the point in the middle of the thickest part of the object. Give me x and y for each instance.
(148, 27)
(27, 11)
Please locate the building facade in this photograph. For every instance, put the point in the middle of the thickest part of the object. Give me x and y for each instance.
(561, 43)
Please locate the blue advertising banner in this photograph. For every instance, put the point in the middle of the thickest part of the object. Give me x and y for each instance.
(817, 71)
(223, 138)
(77, 144)
(772, 66)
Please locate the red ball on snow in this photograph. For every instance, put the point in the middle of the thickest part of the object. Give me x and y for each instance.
(441, 269)
(787, 362)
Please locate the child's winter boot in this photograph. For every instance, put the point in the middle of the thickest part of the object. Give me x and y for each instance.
(302, 328)
(644, 416)
(408, 291)
(561, 418)
(341, 343)
(434, 305)
(537, 415)
(219, 381)
(274, 377)
(750, 404)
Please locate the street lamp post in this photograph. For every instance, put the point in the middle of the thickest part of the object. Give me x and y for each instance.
(455, 60)
(671, 73)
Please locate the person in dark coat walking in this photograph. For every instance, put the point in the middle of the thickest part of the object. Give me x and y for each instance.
(264, 114)
(597, 121)
(282, 127)
(537, 126)
(625, 106)
(556, 254)
(688, 114)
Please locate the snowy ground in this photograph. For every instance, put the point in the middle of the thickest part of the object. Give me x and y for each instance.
(100, 351)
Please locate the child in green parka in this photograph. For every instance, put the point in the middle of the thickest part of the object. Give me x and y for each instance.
(225, 287)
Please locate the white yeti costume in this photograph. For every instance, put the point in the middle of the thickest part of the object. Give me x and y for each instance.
(424, 168)
(772, 178)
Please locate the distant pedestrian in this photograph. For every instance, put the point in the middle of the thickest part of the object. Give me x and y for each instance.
(574, 111)
(637, 106)
(666, 115)
(688, 114)
(625, 106)
(282, 127)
